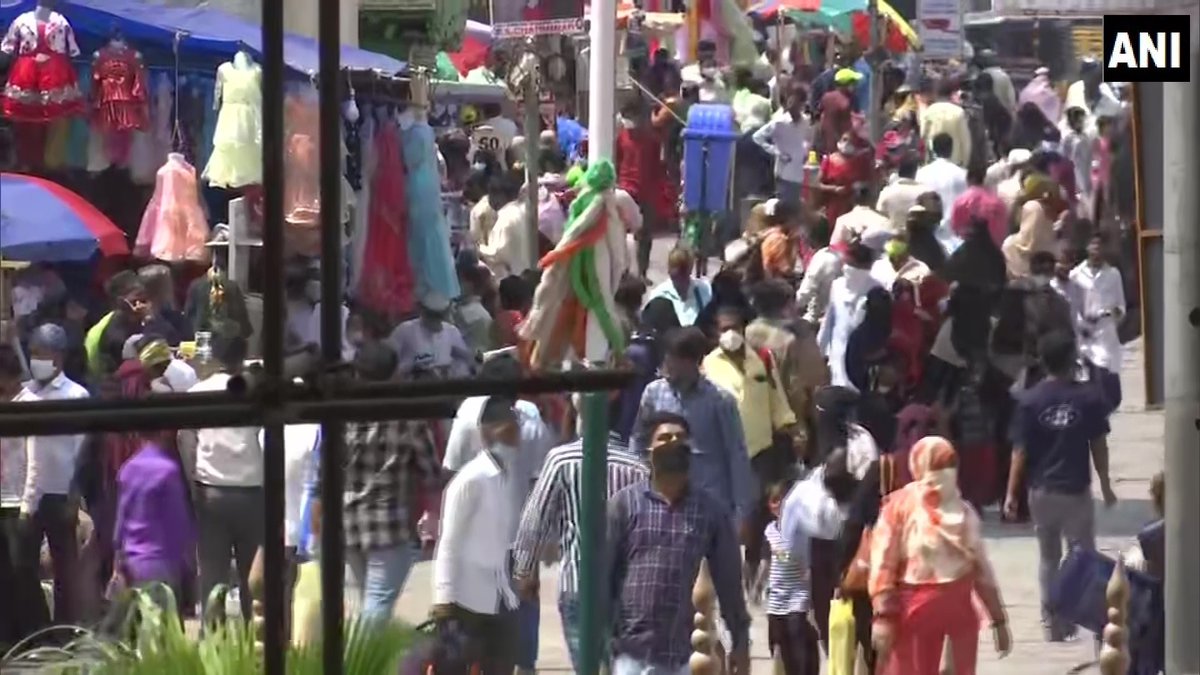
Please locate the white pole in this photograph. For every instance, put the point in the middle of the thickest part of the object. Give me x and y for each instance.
(602, 80)
(1181, 329)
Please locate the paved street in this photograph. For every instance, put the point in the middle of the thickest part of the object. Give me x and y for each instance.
(1137, 453)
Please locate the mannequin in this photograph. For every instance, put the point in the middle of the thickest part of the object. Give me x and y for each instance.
(118, 96)
(42, 84)
(243, 61)
(236, 159)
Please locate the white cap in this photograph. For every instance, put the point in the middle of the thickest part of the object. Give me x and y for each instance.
(1019, 156)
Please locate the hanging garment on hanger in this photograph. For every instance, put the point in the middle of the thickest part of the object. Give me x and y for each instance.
(174, 227)
(42, 85)
(386, 285)
(77, 143)
(302, 163)
(428, 233)
(118, 94)
(236, 159)
(358, 231)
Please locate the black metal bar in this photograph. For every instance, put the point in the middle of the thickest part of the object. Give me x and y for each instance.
(274, 638)
(206, 416)
(333, 478)
(191, 411)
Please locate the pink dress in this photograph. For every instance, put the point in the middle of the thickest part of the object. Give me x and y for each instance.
(174, 227)
(386, 284)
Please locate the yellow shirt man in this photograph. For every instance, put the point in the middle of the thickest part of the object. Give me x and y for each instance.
(762, 402)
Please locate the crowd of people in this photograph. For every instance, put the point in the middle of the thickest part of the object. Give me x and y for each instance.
(905, 337)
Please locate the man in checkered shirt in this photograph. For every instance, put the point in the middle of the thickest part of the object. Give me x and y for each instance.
(387, 463)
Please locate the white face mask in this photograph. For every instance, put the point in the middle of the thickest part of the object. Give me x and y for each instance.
(42, 370)
(946, 480)
(503, 452)
(312, 291)
(845, 148)
(1041, 280)
(731, 340)
(161, 386)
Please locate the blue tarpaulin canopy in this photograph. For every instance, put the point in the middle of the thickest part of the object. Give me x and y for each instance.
(207, 34)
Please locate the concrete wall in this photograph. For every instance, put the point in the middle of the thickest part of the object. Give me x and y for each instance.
(299, 16)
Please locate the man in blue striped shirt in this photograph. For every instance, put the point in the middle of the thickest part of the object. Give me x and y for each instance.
(552, 515)
(720, 463)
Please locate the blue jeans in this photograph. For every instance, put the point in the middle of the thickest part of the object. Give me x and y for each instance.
(569, 612)
(627, 665)
(376, 578)
(529, 622)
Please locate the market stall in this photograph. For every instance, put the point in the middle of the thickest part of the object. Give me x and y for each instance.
(163, 132)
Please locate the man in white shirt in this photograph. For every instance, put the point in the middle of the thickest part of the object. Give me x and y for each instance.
(507, 250)
(429, 346)
(847, 298)
(788, 137)
(49, 504)
(900, 195)
(472, 586)
(812, 298)
(706, 75)
(945, 177)
(19, 551)
(466, 442)
(1103, 307)
(494, 134)
(228, 490)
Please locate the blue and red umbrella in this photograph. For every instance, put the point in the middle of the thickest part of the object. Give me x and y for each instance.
(42, 221)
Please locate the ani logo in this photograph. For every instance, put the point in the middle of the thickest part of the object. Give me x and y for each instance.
(1147, 48)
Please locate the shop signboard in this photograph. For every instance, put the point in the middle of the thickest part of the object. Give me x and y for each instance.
(940, 25)
(527, 18)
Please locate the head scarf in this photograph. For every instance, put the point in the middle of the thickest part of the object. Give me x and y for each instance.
(924, 246)
(977, 262)
(155, 354)
(868, 341)
(927, 518)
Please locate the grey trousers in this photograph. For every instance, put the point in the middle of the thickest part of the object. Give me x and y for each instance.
(1057, 517)
(230, 524)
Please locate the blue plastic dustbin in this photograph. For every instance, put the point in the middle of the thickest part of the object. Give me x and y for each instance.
(706, 175)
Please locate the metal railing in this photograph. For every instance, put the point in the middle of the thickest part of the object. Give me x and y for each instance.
(273, 399)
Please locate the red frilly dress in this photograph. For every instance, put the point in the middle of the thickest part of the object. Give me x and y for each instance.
(119, 89)
(42, 85)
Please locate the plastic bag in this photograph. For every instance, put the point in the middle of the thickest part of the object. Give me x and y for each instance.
(843, 646)
(306, 604)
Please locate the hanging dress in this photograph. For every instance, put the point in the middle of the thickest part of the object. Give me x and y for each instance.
(428, 234)
(236, 159)
(358, 233)
(386, 284)
(302, 163)
(174, 227)
(119, 96)
(42, 85)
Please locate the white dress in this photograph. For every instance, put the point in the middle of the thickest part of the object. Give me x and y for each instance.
(236, 159)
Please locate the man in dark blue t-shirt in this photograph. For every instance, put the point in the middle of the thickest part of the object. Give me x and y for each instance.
(1059, 425)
